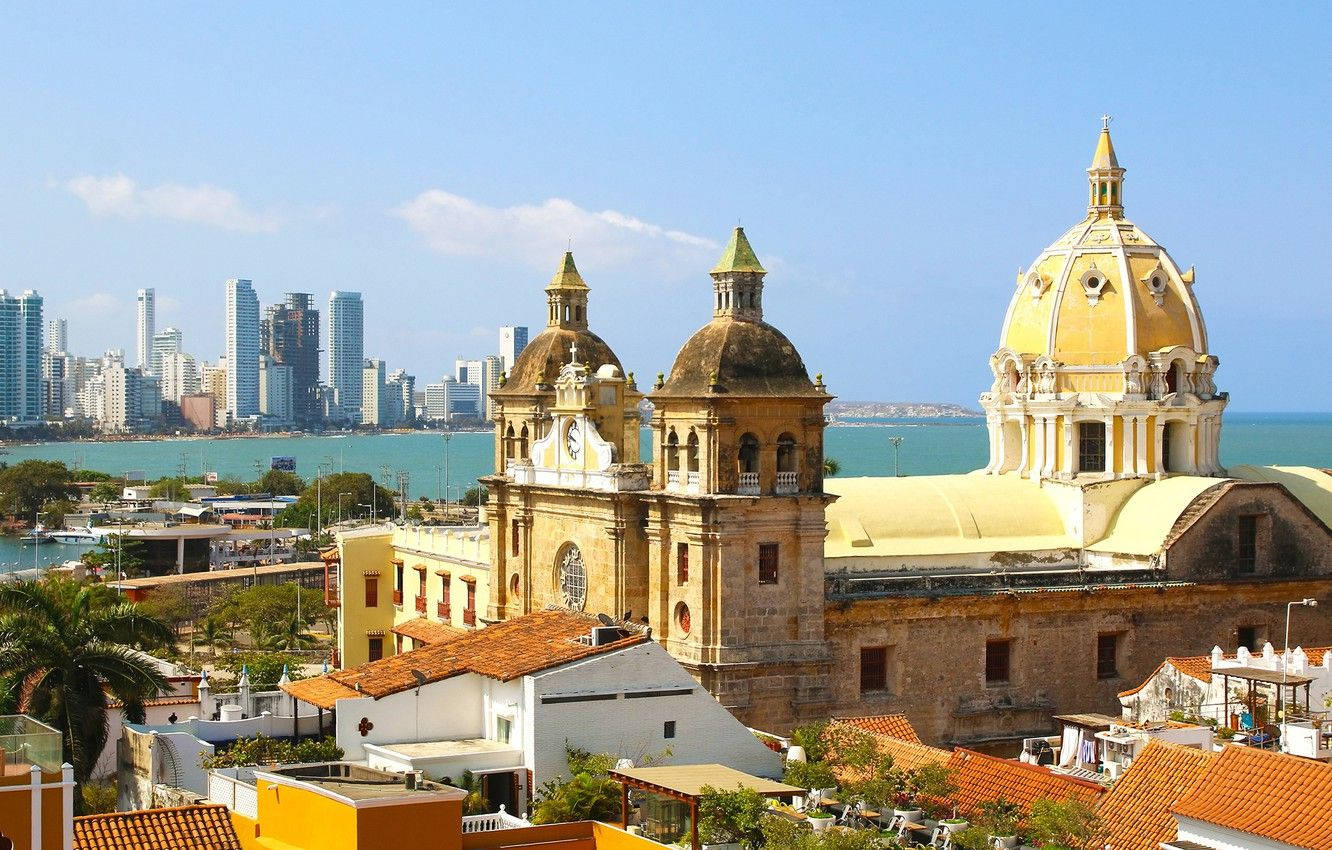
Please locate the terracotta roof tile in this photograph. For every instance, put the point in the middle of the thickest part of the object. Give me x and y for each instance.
(205, 827)
(506, 650)
(426, 631)
(981, 778)
(1275, 796)
(1200, 666)
(1135, 815)
(892, 725)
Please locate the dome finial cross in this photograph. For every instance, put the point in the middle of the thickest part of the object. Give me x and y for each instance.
(1105, 122)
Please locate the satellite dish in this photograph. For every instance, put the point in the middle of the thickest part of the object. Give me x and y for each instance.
(605, 620)
(419, 677)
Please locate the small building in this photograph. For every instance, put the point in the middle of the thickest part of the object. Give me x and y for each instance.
(36, 789)
(505, 703)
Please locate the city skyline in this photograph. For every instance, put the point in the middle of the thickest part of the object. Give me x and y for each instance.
(847, 146)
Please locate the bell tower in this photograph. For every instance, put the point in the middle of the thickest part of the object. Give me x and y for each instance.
(735, 518)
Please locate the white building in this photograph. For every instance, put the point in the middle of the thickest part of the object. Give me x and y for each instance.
(346, 351)
(145, 327)
(242, 339)
(506, 701)
(401, 389)
(57, 335)
(513, 339)
(165, 343)
(125, 399)
(484, 374)
(373, 392)
(450, 400)
(277, 402)
(179, 376)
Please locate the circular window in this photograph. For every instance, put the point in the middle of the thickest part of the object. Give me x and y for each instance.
(1157, 283)
(514, 586)
(682, 617)
(573, 578)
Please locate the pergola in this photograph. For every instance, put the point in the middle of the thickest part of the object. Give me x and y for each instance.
(1256, 677)
(685, 783)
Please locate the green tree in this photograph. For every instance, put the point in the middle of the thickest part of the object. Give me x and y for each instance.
(1069, 824)
(363, 496)
(726, 817)
(133, 556)
(264, 750)
(28, 485)
(105, 491)
(169, 604)
(53, 515)
(474, 497)
(262, 607)
(212, 633)
(289, 634)
(264, 668)
(71, 656)
(280, 482)
(831, 467)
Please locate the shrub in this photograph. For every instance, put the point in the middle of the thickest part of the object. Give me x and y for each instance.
(731, 816)
(264, 750)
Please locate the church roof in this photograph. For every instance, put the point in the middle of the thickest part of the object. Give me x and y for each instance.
(567, 276)
(941, 515)
(739, 256)
(1104, 157)
(748, 359)
(542, 359)
(1313, 487)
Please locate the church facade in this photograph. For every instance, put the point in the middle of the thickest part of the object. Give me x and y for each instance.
(1102, 535)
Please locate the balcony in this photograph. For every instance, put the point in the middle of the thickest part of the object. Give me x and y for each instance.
(787, 484)
(25, 742)
(749, 484)
(420, 604)
(442, 611)
(673, 478)
(691, 479)
(469, 616)
(397, 598)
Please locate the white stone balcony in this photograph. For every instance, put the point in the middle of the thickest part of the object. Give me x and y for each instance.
(786, 483)
(691, 481)
(749, 484)
(493, 821)
(673, 478)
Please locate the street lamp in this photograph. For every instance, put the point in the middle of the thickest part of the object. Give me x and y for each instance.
(1310, 602)
(897, 448)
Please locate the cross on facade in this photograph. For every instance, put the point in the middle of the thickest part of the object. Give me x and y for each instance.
(573, 351)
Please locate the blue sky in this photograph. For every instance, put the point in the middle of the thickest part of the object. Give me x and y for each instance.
(892, 165)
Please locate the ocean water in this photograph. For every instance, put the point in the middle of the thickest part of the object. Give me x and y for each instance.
(862, 447)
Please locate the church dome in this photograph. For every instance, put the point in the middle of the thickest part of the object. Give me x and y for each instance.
(1105, 290)
(737, 353)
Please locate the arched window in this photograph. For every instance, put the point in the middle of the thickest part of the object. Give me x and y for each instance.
(786, 453)
(691, 451)
(522, 441)
(672, 452)
(748, 456)
(1011, 377)
(508, 442)
(578, 313)
(719, 301)
(566, 312)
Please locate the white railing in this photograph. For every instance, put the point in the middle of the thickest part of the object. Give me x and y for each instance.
(786, 482)
(228, 787)
(493, 821)
(692, 479)
(673, 478)
(749, 484)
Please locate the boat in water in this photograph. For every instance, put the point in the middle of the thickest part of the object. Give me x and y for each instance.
(81, 535)
(36, 537)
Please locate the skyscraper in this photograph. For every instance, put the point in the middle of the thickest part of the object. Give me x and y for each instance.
(242, 349)
(57, 335)
(290, 335)
(20, 357)
(346, 351)
(147, 303)
(165, 343)
(513, 339)
(373, 392)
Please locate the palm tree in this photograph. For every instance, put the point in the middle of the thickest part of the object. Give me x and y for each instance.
(212, 633)
(831, 467)
(287, 635)
(65, 657)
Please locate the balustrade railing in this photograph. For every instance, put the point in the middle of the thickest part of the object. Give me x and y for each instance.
(786, 482)
(749, 484)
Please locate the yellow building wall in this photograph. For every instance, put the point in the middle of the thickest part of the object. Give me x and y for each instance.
(436, 824)
(16, 811)
(1029, 327)
(299, 819)
(1158, 327)
(1089, 334)
(359, 554)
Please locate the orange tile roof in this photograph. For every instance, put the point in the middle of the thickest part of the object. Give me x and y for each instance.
(426, 631)
(507, 650)
(892, 725)
(1200, 666)
(981, 778)
(1135, 815)
(204, 827)
(1275, 796)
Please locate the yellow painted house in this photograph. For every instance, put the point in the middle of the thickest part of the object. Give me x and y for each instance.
(399, 588)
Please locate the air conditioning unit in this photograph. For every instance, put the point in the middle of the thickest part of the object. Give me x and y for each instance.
(603, 635)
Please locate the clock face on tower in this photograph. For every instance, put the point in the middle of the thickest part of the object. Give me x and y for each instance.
(573, 440)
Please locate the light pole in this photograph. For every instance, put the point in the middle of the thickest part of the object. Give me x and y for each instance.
(897, 451)
(341, 496)
(448, 435)
(1285, 658)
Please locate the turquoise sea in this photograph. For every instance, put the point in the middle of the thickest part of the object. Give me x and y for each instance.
(862, 447)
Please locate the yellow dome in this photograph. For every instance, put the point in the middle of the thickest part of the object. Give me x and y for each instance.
(1104, 290)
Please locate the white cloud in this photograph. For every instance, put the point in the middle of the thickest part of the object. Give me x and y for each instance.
(97, 302)
(119, 196)
(536, 234)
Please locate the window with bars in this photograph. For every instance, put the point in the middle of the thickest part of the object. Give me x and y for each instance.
(1246, 544)
(376, 648)
(998, 654)
(1107, 656)
(767, 566)
(1091, 446)
(873, 668)
(681, 563)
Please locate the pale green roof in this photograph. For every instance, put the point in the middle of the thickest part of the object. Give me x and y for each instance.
(1104, 157)
(738, 256)
(1145, 519)
(1311, 486)
(567, 277)
(941, 515)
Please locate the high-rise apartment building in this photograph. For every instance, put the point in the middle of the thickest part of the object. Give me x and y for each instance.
(213, 382)
(128, 399)
(346, 352)
(450, 400)
(290, 335)
(57, 335)
(179, 376)
(373, 393)
(165, 343)
(146, 326)
(513, 339)
(484, 374)
(21, 330)
(242, 349)
(276, 399)
(401, 389)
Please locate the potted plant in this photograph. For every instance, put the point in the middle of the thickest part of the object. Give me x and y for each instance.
(925, 786)
(999, 818)
(819, 820)
(954, 824)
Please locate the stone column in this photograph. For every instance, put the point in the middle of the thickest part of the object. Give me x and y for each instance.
(992, 428)
(1110, 446)
(1038, 467)
(1024, 463)
(1158, 438)
(1066, 468)
(1140, 445)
